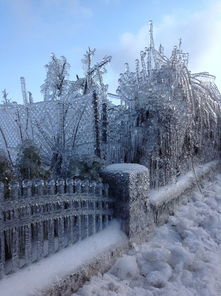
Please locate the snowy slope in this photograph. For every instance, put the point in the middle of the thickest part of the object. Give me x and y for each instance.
(182, 259)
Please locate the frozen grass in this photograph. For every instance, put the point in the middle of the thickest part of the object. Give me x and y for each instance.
(49, 270)
(183, 258)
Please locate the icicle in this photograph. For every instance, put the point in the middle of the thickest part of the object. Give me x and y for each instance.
(99, 189)
(94, 228)
(14, 190)
(180, 44)
(87, 225)
(15, 250)
(93, 186)
(27, 188)
(127, 70)
(69, 184)
(106, 220)
(60, 233)
(69, 230)
(85, 187)
(78, 186)
(2, 254)
(39, 188)
(2, 197)
(142, 56)
(106, 190)
(51, 187)
(137, 65)
(100, 222)
(161, 50)
(60, 186)
(79, 227)
(28, 247)
(40, 240)
(51, 247)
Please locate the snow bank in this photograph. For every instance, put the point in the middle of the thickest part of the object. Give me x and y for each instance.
(172, 191)
(49, 270)
(183, 258)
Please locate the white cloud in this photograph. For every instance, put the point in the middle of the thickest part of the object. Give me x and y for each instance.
(199, 31)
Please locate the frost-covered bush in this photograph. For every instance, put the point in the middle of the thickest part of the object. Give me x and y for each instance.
(6, 169)
(85, 168)
(169, 119)
(29, 163)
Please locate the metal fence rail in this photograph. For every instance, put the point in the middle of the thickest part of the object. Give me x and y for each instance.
(40, 218)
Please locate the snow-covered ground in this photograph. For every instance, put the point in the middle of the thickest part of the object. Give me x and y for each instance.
(182, 259)
(40, 275)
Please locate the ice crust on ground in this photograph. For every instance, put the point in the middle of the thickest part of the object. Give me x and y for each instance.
(183, 258)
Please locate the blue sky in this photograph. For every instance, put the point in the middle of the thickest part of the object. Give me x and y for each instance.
(31, 29)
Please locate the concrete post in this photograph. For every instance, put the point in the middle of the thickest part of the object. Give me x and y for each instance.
(129, 185)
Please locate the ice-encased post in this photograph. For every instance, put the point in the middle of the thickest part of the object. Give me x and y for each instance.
(69, 184)
(28, 246)
(94, 226)
(71, 238)
(68, 230)
(2, 241)
(14, 189)
(51, 187)
(51, 236)
(99, 192)
(79, 227)
(106, 204)
(26, 186)
(40, 240)
(15, 249)
(96, 124)
(2, 254)
(39, 187)
(60, 186)
(60, 233)
(129, 185)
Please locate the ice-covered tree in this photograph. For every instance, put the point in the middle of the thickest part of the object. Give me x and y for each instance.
(29, 163)
(58, 132)
(170, 118)
(56, 84)
(6, 169)
(5, 98)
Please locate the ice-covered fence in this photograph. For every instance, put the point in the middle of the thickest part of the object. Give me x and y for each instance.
(48, 123)
(141, 209)
(40, 218)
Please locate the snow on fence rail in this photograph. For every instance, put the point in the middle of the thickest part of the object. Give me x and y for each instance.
(40, 218)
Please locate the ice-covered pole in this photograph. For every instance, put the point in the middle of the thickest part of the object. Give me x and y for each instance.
(129, 185)
(23, 89)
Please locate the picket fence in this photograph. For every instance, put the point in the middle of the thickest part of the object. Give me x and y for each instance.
(39, 218)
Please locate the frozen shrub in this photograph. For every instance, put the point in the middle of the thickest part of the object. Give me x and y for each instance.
(29, 164)
(85, 168)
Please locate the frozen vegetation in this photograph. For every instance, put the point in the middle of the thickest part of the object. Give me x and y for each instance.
(183, 258)
(168, 118)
